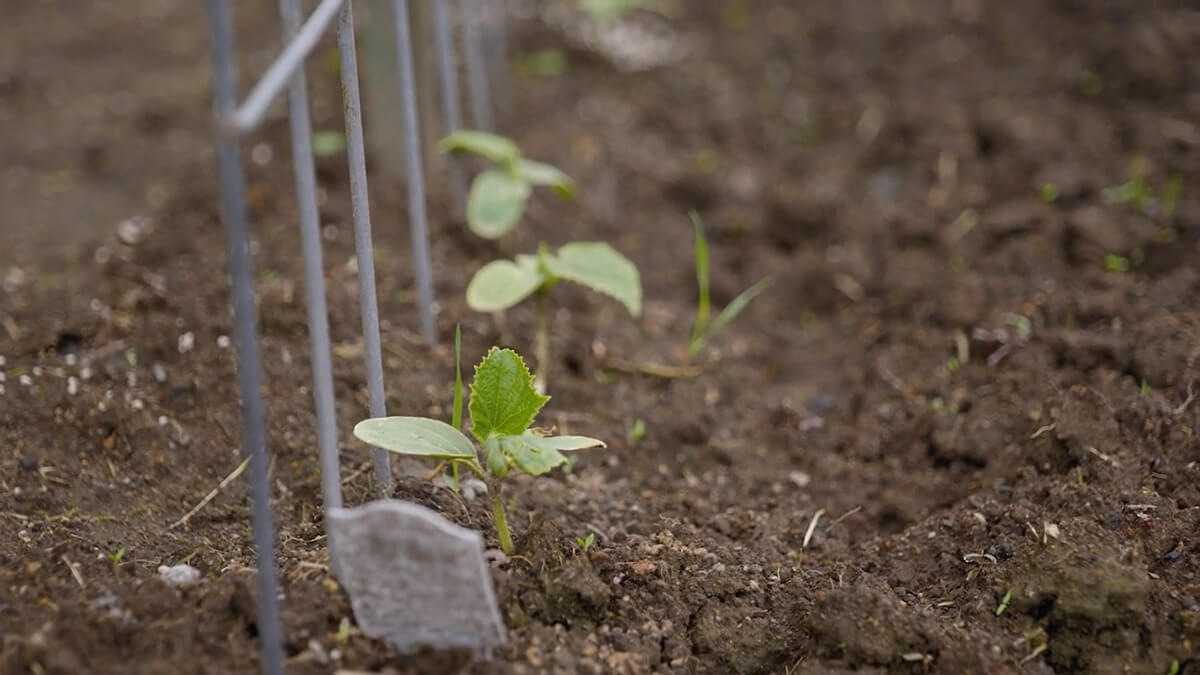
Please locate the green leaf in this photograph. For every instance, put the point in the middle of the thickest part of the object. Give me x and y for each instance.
(738, 304)
(501, 284)
(416, 436)
(503, 400)
(496, 202)
(539, 173)
(497, 462)
(326, 143)
(601, 268)
(498, 149)
(536, 454)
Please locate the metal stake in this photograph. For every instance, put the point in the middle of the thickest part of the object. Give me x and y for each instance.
(233, 215)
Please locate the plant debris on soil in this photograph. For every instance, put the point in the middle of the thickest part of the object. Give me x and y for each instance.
(958, 435)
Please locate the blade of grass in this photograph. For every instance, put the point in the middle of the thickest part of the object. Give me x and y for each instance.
(456, 410)
(738, 304)
(703, 303)
(456, 414)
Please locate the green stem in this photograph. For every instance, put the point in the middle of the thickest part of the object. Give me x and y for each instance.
(454, 475)
(541, 345)
(501, 522)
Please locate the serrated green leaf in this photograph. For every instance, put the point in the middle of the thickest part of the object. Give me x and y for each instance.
(503, 400)
(496, 148)
(495, 203)
(536, 454)
(539, 173)
(416, 436)
(601, 268)
(501, 284)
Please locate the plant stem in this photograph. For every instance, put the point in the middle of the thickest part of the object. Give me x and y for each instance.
(541, 345)
(501, 522)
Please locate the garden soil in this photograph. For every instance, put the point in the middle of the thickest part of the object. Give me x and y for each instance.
(957, 435)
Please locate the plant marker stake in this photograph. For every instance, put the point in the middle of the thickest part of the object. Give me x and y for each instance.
(314, 278)
(477, 82)
(233, 215)
(356, 155)
(250, 114)
(417, 221)
(443, 41)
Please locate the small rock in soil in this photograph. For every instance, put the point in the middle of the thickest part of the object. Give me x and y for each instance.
(179, 574)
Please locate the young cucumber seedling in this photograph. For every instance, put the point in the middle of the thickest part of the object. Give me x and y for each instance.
(497, 197)
(702, 330)
(501, 284)
(503, 405)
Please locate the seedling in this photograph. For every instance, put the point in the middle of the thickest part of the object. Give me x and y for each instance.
(501, 284)
(702, 330)
(638, 430)
(498, 195)
(1048, 193)
(502, 406)
(1004, 602)
(585, 543)
(1116, 263)
(1137, 192)
(116, 556)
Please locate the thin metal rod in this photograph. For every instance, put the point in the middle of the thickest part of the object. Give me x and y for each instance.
(471, 14)
(496, 49)
(254, 441)
(443, 41)
(314, 275)
(363, 248)
(247, 117)
(417, 221)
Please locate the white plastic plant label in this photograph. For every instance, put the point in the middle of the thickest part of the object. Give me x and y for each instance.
(414, 578)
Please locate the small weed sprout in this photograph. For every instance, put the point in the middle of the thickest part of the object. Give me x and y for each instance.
(1116, 263)
(116, 556)
(501, 284)
(502, 406)
(1137, 192)
(637, 431)
(498, 195)
(585, 543)
(702, 330)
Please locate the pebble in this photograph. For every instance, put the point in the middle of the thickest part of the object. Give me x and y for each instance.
(160, 372)
(179, 574)
(472, 488)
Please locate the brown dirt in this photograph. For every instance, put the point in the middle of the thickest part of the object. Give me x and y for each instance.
(996, 432)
